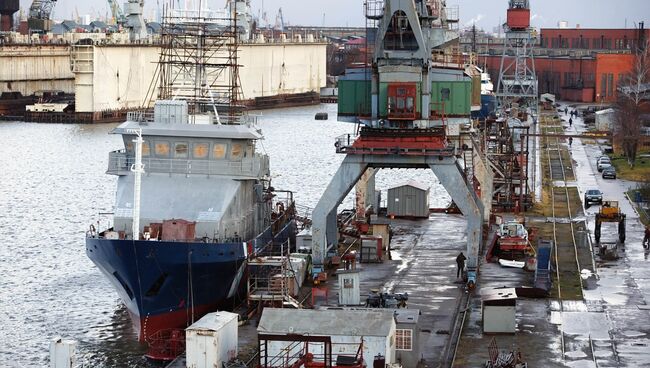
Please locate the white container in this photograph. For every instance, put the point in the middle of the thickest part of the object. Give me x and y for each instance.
(349, 292)
(62, 353)
(212, 340)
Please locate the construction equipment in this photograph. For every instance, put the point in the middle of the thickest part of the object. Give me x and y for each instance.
(118, 14)
(39, 16)
(610, 212)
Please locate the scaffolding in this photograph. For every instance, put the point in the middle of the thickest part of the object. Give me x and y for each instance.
(198, 62)
(273, 281)
(506, 144)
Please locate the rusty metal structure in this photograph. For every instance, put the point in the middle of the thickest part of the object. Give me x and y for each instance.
(506, 144)
(297, 353)
(406, 109)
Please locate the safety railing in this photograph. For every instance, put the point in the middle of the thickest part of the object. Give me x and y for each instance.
(119, 163)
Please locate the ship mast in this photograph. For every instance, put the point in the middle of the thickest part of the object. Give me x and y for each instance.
(138, 169)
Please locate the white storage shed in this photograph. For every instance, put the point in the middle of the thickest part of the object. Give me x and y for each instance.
(212, 340)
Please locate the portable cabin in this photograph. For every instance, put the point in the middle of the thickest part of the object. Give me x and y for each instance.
(409, 199)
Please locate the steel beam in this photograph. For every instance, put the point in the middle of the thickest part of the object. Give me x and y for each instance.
(446, 169)
(451, 177)
(324, 231)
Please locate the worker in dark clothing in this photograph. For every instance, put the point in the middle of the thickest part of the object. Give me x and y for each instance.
(460, 261)
(570, 121)
(566, 110)
(570, 141)
(646, 238)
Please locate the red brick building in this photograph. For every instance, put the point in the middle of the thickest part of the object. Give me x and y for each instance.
(582, 65)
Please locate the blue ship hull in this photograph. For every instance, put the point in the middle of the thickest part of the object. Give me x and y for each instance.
(167, 285)
(488, 107)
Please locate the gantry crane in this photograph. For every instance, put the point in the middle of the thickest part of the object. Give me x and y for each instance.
(39, 16)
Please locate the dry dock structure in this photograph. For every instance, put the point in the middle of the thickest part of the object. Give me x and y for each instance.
(109, 80)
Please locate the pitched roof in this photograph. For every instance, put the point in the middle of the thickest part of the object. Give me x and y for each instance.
(327, 322)
(412, 183)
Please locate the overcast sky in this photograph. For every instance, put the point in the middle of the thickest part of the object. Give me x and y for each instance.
(485, 13)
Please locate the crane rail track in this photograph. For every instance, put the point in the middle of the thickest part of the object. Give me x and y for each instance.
(561, 211)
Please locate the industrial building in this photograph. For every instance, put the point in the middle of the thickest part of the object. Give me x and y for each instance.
(575, 64)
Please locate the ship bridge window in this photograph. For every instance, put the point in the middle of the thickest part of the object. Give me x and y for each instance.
(180, 150)
(200, 150)
(146, 150)
(161, 149)
(219, 151)
(236, 151)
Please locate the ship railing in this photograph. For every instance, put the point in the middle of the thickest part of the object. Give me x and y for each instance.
(147, 116)
(345, 144)
(140, 116)
(119, 163)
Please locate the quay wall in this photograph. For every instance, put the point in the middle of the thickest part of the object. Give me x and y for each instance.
(31, 68)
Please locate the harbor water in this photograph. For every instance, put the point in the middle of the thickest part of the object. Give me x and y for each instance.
(54, 186)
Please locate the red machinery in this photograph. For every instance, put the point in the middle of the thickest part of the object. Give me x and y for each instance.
(297, 355)
(518, 15)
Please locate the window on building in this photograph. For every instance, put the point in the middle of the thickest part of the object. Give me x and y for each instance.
(161, 149)
(348, 283)
(596, 43)
(555, 43)
(180, 150)
(219, 151)
(610, 85)
(444, 94)
(603, 85)
(200, 150)
(404, 339)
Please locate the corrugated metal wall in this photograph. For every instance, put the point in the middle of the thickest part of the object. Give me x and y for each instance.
(27, 68)
(408, 201)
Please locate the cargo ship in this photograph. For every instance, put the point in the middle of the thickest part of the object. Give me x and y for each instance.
(194, 198)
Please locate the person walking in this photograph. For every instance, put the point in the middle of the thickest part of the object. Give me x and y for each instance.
(460, 261)
(570, 121)
(566, 110)
(646, 238)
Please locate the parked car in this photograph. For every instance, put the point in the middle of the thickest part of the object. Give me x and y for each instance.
(603, 164)
(593, 196)
(609, 172)
(603, 159)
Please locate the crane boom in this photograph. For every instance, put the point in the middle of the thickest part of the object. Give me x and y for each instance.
(118, 14)
(39, 15)
(41, 9)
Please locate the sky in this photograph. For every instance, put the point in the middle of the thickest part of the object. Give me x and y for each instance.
(486, 14)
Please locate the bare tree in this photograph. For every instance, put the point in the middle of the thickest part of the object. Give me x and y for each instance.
(633, 92)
